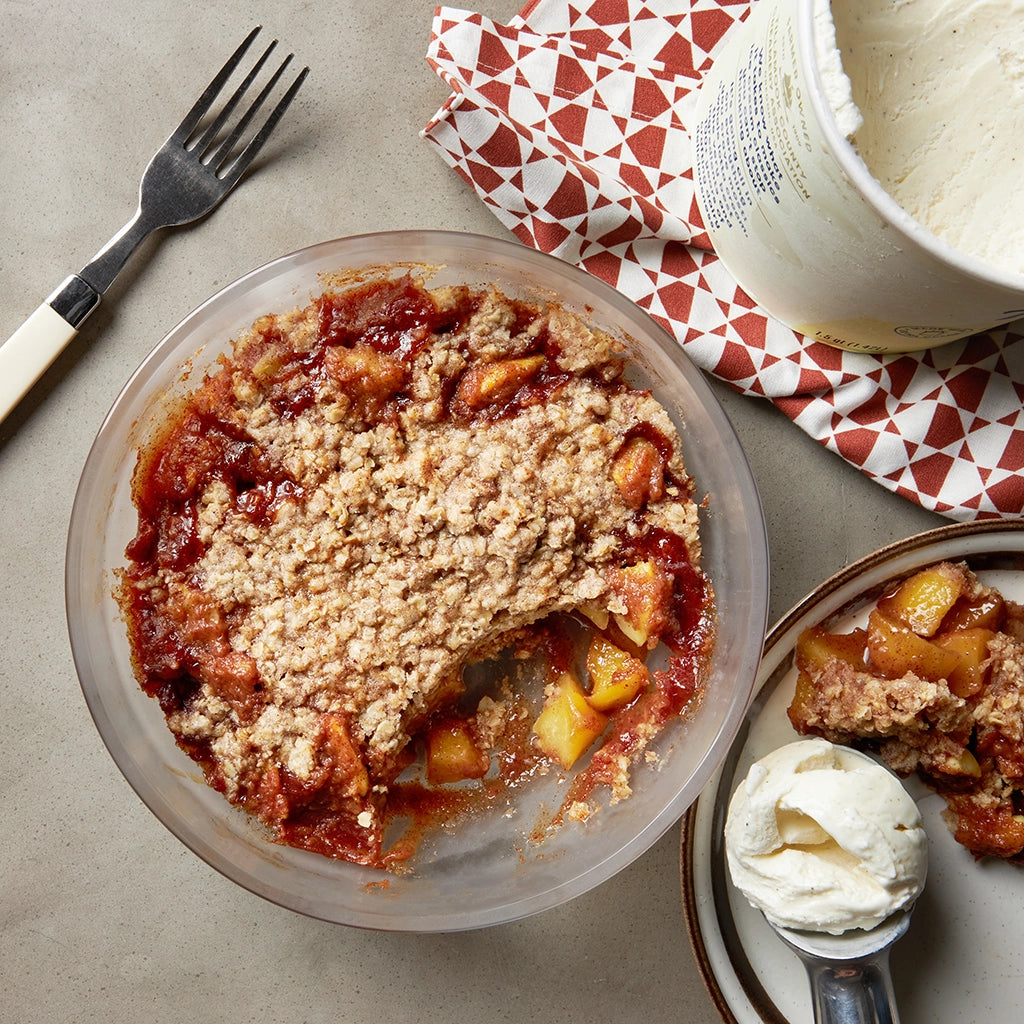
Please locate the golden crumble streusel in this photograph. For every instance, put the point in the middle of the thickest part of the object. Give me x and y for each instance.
(371, 493)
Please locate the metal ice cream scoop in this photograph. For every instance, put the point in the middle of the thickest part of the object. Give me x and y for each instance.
(849, 973)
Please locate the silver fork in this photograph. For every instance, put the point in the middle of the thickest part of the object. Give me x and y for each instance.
(187, 177)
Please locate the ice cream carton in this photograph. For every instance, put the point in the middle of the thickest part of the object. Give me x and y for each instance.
(798, 219)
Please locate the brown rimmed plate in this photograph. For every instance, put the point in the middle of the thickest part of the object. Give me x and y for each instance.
(960, 960)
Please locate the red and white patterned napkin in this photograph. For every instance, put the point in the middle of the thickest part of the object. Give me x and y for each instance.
(571, 124)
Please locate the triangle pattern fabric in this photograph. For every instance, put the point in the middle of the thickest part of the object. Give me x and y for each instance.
(572, 125)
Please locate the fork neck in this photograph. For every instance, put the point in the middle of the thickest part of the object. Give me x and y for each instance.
(101, 270)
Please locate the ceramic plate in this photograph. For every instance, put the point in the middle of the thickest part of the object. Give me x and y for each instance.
(960, 959)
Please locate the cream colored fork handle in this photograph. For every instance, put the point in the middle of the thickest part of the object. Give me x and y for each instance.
(28, 352)
(41, 338)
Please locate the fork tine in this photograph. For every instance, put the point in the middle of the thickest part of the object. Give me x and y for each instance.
(217, 159)
(202, 105)
(237, 166)
(208, 136)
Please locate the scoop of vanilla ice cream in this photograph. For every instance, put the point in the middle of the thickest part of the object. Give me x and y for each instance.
(821, 838)
(939, 85)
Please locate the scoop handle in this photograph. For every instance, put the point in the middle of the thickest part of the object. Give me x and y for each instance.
(858, 992)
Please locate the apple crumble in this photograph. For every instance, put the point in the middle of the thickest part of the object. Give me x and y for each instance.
(934, 683)
(372, 493)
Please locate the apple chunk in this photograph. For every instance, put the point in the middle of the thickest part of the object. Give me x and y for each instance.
(984, 612)
(452, 753)
(646, 590)
(496, 382)
(567, 724)
(971, 648)
(896, 650)
(816, 647)
(639, 472)
(616, 677)
(921, 602)
(799, 710)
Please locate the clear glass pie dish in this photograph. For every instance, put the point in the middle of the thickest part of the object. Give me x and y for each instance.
(487, 870)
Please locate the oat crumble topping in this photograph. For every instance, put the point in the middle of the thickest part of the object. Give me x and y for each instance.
(368, 495)
(962, 733)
